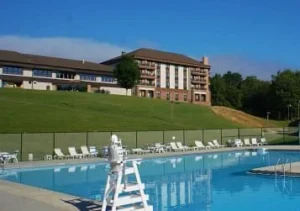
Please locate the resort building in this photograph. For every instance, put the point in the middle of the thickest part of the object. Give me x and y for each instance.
(164, 75)
(170, 76)
(49, 73)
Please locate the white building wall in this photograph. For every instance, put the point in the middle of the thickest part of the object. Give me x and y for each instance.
(98, 79)
(188, 77)
(117, 90)
(1, 70)
(0, 83)
(162, 75)
(180, 77)
(77, 77)
(37, 85)
(27, 72)
(172, 77)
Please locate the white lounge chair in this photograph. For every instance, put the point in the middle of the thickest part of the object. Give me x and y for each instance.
(59, 154)
(73, 153)
(254, 142)
(247, 142)
(139, 151)
(174, 147)
(263, 141)
(85, 151)
(238, 143)
(211, 145)
(200, 145)
(216, 143)
(180, 146)
(93, 151)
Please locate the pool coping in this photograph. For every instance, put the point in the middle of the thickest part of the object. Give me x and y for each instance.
(52, 163)
(59, 201)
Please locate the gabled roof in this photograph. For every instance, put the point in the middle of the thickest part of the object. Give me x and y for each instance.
(160, 56)
(35, 61)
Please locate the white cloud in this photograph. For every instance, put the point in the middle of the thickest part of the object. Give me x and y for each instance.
(92, 50)
(73, 48)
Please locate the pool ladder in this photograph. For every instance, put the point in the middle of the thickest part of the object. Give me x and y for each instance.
(284, 170)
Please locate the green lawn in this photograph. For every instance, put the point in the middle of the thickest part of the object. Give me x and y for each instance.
(61, 119)
(46, 111)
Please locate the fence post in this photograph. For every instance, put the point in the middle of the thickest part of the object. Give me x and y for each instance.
(87, 138)
(239, 135)
(283, 134)
(21, 153)
(53, 144)
(163, 137)
(203, 136)
(183, 137)
(221, 136)
(261, 132)
(136, 139)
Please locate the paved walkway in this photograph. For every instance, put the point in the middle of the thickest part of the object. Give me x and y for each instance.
(290, 169)
(15, 196)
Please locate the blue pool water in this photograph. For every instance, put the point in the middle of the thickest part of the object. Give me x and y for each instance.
(194, 182)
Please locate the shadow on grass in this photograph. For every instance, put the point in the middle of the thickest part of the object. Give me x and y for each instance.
(84, 204)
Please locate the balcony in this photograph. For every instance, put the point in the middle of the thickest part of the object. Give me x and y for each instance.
(199, 88)
(147, 76)
(147, 83)
(147, 66)
(198, 72)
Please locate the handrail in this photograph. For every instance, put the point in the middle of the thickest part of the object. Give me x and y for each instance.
(276, 164)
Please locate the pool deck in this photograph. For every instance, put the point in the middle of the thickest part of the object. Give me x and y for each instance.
(14, 196)
(291, 169)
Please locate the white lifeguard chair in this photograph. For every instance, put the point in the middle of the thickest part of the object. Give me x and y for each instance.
(119, 195)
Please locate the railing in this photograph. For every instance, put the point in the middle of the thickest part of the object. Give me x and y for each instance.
(42, 144)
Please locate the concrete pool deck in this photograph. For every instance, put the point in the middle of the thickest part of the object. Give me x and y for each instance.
(14, 196)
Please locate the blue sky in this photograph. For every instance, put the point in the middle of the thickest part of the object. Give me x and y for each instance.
(252, 37)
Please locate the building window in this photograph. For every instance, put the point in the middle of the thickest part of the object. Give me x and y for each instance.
(176, 96)
(203, 98)
(158, 84)
(158, 95)
(65, 75)
(42, 73)
(197, 97)
(88, 77)
(107, 79)
(167, 84)
(185, 97)
(168, 95)
(13, 70)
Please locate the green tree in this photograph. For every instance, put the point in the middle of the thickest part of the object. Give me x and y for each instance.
(218, 91)
(233, 93)
(284, 91)
(127, 72)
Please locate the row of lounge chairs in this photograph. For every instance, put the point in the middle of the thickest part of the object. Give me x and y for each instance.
(85, 153)
(239, 143)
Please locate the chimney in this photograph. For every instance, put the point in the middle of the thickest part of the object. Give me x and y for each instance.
(205, 60)
(123, 53)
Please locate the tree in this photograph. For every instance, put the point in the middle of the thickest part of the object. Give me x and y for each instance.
(218, 90)
(127, 72)
(233, 89)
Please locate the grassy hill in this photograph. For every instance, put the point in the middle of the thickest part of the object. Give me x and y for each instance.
(43, 111)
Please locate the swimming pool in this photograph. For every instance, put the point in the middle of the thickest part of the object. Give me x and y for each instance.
(216, 181)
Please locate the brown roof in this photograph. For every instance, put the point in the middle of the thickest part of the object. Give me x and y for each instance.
(162, 56)
(35, 61)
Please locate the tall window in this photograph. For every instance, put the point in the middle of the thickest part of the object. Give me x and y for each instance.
(88, 77)
(176, 96)
(158, 95)
(185, 97)
(158, 75)
(185, 78)
(168, 76)
(12, 70)
(42, 73)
